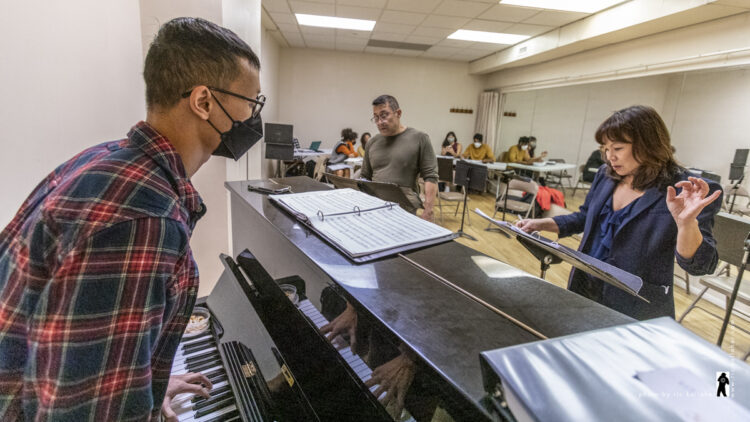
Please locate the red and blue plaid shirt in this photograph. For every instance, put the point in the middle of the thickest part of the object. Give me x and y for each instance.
(97, 283)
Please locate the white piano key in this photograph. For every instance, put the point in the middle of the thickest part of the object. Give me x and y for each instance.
(212, 415)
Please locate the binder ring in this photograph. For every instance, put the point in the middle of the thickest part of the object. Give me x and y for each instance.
(536, 234)
(321, 215)
(357, 210)
(389, 205)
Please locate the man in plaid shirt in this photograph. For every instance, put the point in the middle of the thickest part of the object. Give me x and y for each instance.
(97, 278)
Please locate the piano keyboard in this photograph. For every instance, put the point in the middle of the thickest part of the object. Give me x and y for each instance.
(200, 354)
(354, 361)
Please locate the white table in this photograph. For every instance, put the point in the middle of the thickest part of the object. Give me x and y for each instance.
(549, 168)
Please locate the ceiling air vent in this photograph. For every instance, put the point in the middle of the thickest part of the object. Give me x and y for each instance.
(398, 45)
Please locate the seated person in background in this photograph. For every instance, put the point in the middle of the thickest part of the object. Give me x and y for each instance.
(592, 165)
(451, 146)
(479, 150)
(398, 154)
(362, 143)
(341, 151)
(519, 153)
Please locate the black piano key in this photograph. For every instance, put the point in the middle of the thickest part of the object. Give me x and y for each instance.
(218, 378)
(225, 417)
(216, 391)
(202, 340)
(200, 358)
(215, 372)
(198, 346)
(206, 410)
(203, 365)
(212, 400)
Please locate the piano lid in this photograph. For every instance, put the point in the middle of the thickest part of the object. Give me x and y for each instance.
(446, 329)
(649, 370)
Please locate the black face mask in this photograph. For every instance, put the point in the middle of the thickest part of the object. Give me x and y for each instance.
(241, 137)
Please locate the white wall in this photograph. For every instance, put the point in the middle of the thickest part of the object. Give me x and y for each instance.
(708, 113)
(72, 73)
(322, 92)
(269, 85)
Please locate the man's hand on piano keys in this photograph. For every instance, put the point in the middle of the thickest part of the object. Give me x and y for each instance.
(345, 323)
(191, 382)
(394, 378)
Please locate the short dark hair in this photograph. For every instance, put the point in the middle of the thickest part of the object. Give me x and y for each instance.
(362, 139)
(386, 99)
(478, 137)
(523, 140)
(642, 127)
(348, 134)
(446, 142)
(191, 51)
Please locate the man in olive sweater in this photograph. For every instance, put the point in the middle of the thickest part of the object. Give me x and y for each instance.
(398, 154)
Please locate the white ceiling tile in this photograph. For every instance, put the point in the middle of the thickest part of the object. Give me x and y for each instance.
(387, 36)
(295, 39)
(421, 6)
(418, 39)
(408, 53)
(395, 28)
(486, 46)
(451, 22)
(321, 45)
(393, 16)
(379, 50)
(524, 29)
(508, 13)
(355, 12)
(469, 9)
(309, 8)
(455, 43)
(379, 4)
(283, 18)
(318, 38)
(288, 27)
(347, 47)
(362, 42)
(312, 30)
(487, 26)
(443, 50)
(296, 44)
(288, 34)
(275, 6)
(349, 33)
(554, 18)
(425, 31)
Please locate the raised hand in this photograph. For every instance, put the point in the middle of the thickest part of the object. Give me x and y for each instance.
(686, 206)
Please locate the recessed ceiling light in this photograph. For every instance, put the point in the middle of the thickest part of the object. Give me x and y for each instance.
(584, 6)
(334, 22)
(489, 37)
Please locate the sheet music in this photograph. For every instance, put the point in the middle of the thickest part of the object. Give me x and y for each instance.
(365, 232)
(517, 231)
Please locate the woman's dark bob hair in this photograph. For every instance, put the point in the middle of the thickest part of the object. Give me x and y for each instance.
(642, 127)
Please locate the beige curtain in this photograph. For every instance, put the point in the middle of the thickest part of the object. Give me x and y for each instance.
(486, 123)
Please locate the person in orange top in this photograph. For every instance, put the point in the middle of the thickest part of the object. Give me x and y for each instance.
(344, 149)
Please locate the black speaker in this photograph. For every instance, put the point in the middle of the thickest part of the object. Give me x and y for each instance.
(279, 141)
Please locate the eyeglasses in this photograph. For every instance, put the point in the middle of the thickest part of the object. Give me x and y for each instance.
(378, 117)
(256, 105)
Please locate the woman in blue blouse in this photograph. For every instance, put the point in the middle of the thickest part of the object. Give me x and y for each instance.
(634, 218)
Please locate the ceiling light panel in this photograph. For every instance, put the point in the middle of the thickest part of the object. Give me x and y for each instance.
(585, 6)
(488, 37)
(334, 22)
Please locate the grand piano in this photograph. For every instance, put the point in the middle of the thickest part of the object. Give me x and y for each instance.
(424, 315)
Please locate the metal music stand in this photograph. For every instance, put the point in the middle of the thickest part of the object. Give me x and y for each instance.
(388, 192)
(506, 177)
(470, 176)
(737, 172)
(342, 182)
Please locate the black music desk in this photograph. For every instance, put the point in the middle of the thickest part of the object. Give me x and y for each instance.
(446, 329)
